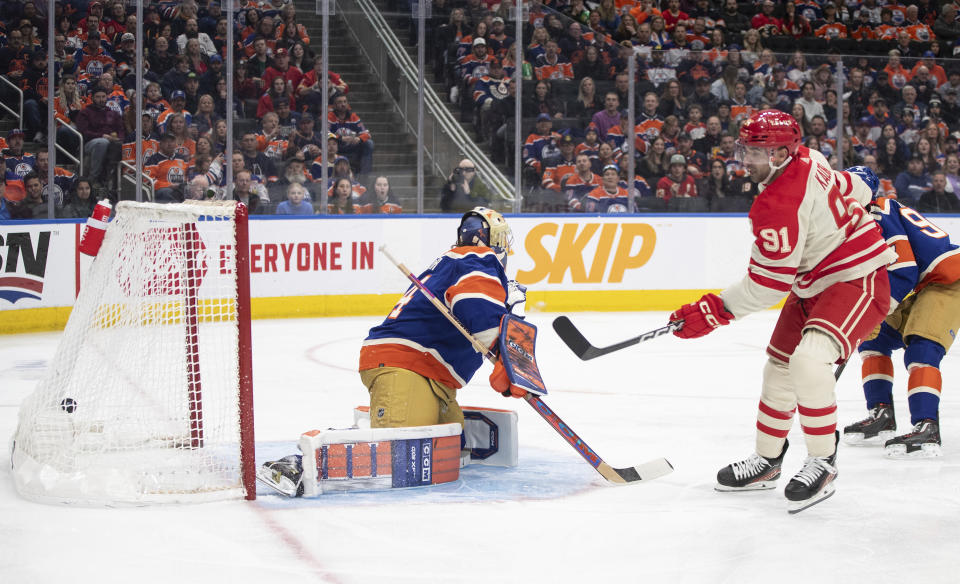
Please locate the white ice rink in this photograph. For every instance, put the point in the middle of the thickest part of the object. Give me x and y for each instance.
(551, 519)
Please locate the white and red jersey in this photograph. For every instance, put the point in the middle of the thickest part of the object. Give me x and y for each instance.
(810, 231)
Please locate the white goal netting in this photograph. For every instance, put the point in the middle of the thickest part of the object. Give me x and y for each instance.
(142, 402)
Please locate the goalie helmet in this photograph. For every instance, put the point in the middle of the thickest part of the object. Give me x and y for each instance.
(771, 129)
(868, 176)
(486, 227)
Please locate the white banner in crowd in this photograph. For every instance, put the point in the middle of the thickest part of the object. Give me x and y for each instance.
(568, 262)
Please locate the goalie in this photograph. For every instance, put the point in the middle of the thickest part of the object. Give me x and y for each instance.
(414, 362)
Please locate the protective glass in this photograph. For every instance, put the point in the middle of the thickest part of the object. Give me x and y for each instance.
(752, 155)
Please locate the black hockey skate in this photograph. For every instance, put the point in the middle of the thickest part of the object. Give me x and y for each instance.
(753, 474)
(879, 426)
(813, 483)
(284, 476)
(922, 442)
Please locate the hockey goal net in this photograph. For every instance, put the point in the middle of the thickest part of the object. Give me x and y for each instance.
(148, 398)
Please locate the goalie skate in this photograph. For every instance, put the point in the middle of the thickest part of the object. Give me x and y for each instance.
(922, 442)
(284, 476)
(753, 474)
(877, 428)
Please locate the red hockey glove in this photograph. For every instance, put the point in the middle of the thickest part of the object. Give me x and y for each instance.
(501, 382)
(701, 317)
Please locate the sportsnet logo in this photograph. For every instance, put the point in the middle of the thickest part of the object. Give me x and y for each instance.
(23, 264)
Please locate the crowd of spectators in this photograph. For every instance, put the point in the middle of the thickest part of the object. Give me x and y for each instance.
(702, 68)
(277, 101)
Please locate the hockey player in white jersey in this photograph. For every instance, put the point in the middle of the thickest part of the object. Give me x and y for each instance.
(815, 244)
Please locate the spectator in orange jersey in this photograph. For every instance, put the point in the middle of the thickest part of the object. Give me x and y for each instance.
(381, 200)
(168, 169)
(341, 203)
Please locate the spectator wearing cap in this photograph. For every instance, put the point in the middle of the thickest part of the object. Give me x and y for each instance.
(951, 107)
(294, 172)
(341, 170)
(281, 68)
(178, 102)
(126, 50)
(309, 91)
(94, 13)
(286, 117)
(696, 161)
(464, 190)
(676, 183)
(498, 40)
(191, 92)
(539, 145)
(355, 140)
(609, 197)
(472, 67)
(912, 183)
(558, 166)
(953, 82)
(92, 58)
(937, 72)
(191, 30)
(102, 128)
(208, 80)
(16, 161)
(306, 138)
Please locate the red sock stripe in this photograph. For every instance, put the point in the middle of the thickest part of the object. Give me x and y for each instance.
(877, 365)
(820, 431)
(777, 414)
(925, 377)
(772, 431)
(817, 412)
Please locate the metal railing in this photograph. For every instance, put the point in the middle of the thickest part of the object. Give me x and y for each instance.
(19, 113)
(444, 138)
(131, 177)
(65, 152)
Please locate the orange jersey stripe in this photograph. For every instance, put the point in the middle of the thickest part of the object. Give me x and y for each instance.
(396, 355)
(472, 286)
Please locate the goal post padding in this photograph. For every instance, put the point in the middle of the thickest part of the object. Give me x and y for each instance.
(148, 397)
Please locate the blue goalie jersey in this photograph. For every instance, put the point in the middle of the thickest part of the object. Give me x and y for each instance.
(471, 282)
(925, 253)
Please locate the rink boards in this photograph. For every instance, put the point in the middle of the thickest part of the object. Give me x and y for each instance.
(330, 266)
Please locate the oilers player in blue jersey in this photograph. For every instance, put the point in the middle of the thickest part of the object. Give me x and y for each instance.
(414, 362)
(925, 288)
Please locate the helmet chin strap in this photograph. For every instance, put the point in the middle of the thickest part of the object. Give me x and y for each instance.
(773, 170)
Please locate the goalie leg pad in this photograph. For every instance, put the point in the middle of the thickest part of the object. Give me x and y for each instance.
(490, 435)
(379, 458)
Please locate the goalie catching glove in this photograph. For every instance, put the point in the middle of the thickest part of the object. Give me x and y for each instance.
(701, 317)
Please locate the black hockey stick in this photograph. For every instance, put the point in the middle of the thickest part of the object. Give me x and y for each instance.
(582, 348)
(643, 472)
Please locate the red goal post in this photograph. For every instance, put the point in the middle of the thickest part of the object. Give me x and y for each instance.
(148, 398)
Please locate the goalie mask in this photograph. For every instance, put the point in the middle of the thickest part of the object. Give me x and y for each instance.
(485, 227)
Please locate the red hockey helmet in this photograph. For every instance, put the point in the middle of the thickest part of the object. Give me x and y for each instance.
(771, 129)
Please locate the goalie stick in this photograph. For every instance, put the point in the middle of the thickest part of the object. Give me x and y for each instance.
(582, 348)
(643, 472)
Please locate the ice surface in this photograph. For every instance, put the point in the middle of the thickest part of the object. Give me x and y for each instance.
(551, 519)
